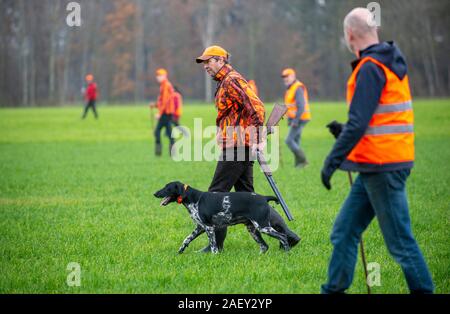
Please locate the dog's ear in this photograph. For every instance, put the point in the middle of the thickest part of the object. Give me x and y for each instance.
(179, 187)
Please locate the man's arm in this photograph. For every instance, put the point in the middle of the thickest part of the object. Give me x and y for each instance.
(369, 85)
(299, 103)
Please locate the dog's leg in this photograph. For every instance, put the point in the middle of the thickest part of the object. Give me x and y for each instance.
(210, 231)
(277, 235)
(197, 231)
(256, 235)
(277, 222)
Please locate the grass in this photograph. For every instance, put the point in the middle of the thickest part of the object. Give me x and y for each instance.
(81, 191)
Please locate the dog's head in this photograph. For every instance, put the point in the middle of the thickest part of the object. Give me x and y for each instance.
(170, 192)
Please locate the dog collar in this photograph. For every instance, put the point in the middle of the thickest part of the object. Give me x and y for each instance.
(180, 198)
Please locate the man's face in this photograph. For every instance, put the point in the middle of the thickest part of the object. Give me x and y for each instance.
(289, 79)
(212, 66)
(161, 78)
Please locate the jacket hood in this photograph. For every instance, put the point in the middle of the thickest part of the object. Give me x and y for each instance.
(390, 55)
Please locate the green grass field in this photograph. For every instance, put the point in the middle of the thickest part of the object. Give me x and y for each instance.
(81, 191)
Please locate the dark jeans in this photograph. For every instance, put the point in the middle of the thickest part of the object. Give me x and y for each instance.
(90, 104)
(165, 121)
(380, 195)
(238, 174)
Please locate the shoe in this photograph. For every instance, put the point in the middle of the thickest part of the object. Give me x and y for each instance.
(301, 165)
(158, 150)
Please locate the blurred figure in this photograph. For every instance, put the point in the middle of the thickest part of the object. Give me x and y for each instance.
(165, 110)
(178, 110)
(296, 99)
(90, 95)
(177, 106)
(252, 85)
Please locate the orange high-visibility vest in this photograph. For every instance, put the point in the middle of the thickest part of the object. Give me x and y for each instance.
(289, 100)
(389, 137)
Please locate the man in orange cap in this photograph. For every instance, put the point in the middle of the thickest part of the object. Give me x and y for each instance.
(296, 99)
(90, 95)
(165, 109)
(239, 109)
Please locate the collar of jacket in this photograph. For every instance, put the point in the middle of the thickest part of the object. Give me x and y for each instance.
(290, 85)
(223, 72)
(362, 54)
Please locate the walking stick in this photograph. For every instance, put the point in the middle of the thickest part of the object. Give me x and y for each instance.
(361, 243)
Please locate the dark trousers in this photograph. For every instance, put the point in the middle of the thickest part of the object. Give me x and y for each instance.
(165, 121)
(238, 174)
(90, 104)
(383, 196)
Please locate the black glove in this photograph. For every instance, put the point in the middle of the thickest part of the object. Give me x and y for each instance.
(335, 128)
(326, 174)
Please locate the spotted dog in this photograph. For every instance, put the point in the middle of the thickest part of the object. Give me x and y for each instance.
(211, 210)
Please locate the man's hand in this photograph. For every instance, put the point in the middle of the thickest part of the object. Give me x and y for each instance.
(326, 174)
(335, 128)
(152, 105)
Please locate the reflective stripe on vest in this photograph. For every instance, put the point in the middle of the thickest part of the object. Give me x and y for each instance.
(389, 137)
(289, 100)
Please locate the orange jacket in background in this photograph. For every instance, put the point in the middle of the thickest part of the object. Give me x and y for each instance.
(177, 105)
(165, 98)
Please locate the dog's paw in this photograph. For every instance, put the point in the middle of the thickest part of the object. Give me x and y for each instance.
(263, 249)
(180, 251)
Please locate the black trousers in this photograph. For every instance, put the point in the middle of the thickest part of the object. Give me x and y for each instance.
(238, 174)
(90, 104)
(165, 121)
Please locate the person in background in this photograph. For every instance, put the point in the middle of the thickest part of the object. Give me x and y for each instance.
(165, 110)
(296, 99)
(90, 96)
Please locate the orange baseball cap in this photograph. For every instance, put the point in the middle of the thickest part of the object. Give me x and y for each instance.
(89, 77)
(287, 72)
(212, 51)
(161, 71)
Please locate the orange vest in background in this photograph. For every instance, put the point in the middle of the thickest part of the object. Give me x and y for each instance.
(390, 135)
(289, 100)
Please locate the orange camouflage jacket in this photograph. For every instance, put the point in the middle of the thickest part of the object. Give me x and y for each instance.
(238, 108)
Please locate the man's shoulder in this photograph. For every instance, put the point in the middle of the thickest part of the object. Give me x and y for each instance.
(235, 75)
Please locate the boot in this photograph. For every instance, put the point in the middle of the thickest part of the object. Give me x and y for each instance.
(158, 150)
(300, 159)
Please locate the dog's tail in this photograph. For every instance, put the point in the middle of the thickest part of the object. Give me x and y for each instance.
(272, 198)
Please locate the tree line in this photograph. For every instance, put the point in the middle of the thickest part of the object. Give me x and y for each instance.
(43, 61)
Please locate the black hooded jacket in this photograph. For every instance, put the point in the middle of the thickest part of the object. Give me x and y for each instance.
(370, 82)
